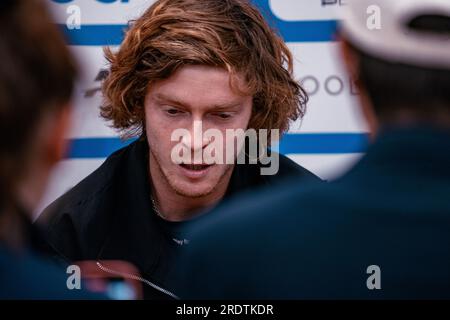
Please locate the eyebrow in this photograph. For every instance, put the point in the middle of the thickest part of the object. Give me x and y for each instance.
(171, 100)
(163, 98)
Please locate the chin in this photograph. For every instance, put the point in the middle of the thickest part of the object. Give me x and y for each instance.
(192, 190)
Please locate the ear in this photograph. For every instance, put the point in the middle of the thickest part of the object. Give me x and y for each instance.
(351, 60)
(56, 143)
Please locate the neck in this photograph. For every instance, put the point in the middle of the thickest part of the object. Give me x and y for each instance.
(12, 220)
(173, 206)
(434, 117)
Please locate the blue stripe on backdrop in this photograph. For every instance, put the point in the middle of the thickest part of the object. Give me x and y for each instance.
(324, 143)
(94, 35)
(298, 31)
(303, 143)
(112, 34)
(291, 31)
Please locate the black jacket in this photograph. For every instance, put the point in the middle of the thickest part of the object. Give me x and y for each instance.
(109, 215)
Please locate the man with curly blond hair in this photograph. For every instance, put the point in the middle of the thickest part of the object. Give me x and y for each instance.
(185, 68)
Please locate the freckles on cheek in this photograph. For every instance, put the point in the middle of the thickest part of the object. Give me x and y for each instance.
(243, 123)
(161, 133)
(154, 122)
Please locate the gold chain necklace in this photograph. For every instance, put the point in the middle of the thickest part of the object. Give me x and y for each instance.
(155, 208)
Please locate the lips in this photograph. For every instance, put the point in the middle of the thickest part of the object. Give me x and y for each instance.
(195, 167)
(195, 171)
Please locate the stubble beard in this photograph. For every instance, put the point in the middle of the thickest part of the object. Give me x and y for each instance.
(180, 191)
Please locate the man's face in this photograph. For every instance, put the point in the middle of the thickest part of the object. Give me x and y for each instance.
(199, 94)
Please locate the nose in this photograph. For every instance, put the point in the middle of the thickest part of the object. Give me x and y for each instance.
(195, 140)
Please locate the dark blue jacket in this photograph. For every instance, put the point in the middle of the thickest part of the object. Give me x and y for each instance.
(391, 211)
(25, 275)
(28, 273)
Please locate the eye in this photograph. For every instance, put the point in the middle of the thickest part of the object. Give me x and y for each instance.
(224, 115)
(173, 111)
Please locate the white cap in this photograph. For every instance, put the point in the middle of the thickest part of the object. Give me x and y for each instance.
(381, 29)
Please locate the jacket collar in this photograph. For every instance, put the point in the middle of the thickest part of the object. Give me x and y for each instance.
(134, 235)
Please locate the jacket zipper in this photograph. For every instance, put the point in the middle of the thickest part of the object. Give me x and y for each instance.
(135, 277)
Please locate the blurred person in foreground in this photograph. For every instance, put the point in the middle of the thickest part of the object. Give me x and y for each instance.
(382, 231)
(188, 66)
(36, 80)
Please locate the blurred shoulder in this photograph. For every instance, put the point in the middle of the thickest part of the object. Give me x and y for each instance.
(26, 275)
